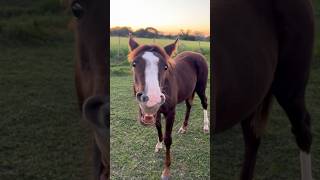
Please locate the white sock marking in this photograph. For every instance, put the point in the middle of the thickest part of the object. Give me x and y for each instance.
(305, 164)
(182, 130)
(205, 121)
(158, 146)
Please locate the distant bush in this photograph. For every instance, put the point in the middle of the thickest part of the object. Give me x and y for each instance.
(33, 22)
(50, 6)
(24, 32)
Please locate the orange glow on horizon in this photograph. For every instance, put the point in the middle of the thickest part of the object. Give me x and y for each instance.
(167, 16)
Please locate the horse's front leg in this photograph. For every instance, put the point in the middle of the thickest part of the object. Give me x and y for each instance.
(168, 141)
(159, 129)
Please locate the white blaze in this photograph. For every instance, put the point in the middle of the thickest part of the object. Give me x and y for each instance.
(152, 88)
(305, 163)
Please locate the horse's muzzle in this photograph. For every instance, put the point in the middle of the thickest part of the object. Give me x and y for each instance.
(150, 100)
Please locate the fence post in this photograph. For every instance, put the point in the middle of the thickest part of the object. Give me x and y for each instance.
(119, 48)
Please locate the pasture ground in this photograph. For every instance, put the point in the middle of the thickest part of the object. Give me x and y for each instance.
(41, 134)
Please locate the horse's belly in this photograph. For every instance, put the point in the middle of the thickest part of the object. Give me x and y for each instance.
(186, 89)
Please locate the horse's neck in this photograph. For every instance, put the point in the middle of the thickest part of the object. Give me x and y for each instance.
(91, 70)
(169, 80)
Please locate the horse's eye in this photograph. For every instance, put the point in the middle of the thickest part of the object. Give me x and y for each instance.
(77, 9)
(165, 67)
(134, 64)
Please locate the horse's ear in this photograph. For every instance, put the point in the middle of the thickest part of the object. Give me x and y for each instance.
(170, 48)
(132, 43)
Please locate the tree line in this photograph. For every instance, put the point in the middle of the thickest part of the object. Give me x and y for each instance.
(151, 32)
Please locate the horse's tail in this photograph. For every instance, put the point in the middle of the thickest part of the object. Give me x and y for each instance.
(259, 123)
(202, 70)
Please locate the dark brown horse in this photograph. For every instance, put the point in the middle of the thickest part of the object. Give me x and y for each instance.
(160, 83)
(262, 49)
(92, 76)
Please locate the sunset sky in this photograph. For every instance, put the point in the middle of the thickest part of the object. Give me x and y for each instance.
(168, 16)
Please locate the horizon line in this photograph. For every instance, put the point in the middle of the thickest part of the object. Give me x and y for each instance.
(167, 32)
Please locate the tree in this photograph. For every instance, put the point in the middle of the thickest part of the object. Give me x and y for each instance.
(120, 31)
(199, 36)
(148, 32)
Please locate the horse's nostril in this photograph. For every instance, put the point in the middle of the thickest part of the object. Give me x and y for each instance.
(144, 98)
(139, 95)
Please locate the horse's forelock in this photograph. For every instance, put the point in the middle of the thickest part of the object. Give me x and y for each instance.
(151, 48)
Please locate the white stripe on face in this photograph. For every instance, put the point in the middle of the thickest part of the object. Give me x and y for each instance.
(152, 88)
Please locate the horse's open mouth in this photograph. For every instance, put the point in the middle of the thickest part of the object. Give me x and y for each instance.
(147, 119)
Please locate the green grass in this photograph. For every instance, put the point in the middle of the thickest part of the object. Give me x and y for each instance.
(119, 62)
(122, 43)
(132, 145)
(33, 23)
(41, 134)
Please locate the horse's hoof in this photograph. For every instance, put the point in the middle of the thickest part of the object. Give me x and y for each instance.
(182, 130)
(165, 177)
(206, 130)
(156, 150)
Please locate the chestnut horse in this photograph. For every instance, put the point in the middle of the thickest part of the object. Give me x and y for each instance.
(262, 49)
(160, 83)
(92, 76)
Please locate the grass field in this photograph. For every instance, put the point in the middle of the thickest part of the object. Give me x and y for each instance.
(41, 134)
(132, 145)
(119, 51)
